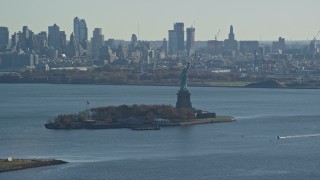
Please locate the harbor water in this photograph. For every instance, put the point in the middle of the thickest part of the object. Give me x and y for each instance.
(249, 148)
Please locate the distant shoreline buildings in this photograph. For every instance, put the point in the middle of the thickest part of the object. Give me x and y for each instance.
(28, 50)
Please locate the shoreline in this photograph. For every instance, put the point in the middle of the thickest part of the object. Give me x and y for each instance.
(218, 119)
(163, 84)
(20, 164)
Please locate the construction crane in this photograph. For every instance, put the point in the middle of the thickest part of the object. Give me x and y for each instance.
(216, 36)
(315, 37)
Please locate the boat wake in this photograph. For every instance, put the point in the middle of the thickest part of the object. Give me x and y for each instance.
(298, 136)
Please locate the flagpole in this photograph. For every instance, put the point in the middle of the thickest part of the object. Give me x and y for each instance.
(87, 104)
(87, 112)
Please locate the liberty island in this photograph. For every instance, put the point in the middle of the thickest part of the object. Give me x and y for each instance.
(141, 117)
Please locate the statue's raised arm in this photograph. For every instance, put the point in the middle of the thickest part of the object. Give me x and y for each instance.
(184, 78)
(188, 66)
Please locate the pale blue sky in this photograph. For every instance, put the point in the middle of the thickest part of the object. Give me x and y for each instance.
(292, 19)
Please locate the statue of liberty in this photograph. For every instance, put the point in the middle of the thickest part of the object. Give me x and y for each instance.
(184, 78)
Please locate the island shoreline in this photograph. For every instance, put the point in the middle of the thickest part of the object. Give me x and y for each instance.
(21, 164)
(169, 85)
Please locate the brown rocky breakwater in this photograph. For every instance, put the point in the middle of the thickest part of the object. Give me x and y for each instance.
(19, 164)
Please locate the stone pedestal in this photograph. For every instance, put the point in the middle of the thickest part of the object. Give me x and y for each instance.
(183, 99)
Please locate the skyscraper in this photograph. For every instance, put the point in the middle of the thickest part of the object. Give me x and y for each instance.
(179, 28)
(63, 39)
(42, 40)
(164, 46)
(191, 43)
(4, 36)
(96, 42)
(279, 46)
(80, 31)
(73, 48)
(15, 40)
(26, 32)
(54, 36)
(282, 43)
(173, 47)
(43, 37)
(134, 39)
(231, 34)
(176, 38)
(25, 39)
(230, 44)
(76, 29)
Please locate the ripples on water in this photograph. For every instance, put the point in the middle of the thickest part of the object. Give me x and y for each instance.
(246, 149)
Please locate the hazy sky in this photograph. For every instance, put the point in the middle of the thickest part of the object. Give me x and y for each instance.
(252, 19)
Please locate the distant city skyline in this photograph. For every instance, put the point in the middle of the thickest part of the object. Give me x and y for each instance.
(151, 19)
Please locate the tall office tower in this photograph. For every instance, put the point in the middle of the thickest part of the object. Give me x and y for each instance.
(4, 36)
(134, 43)
(42, 36)
(25, 38)
(173, 47)
(111, 43)
(54, 37)
(176, 38)
(179, 28)
(76, 29)
(96, 42)
(83, 33)
(73, 48)
(15, 40)
(134, 39)
(42, 40)
(282, 43)
(279, 46)
(230, 44)
(231, 34)
(63, 40)
(164, 46)
(80, 31)
(26, 32)
(191, 43)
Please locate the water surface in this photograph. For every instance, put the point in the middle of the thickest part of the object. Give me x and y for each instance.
(246, 149)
